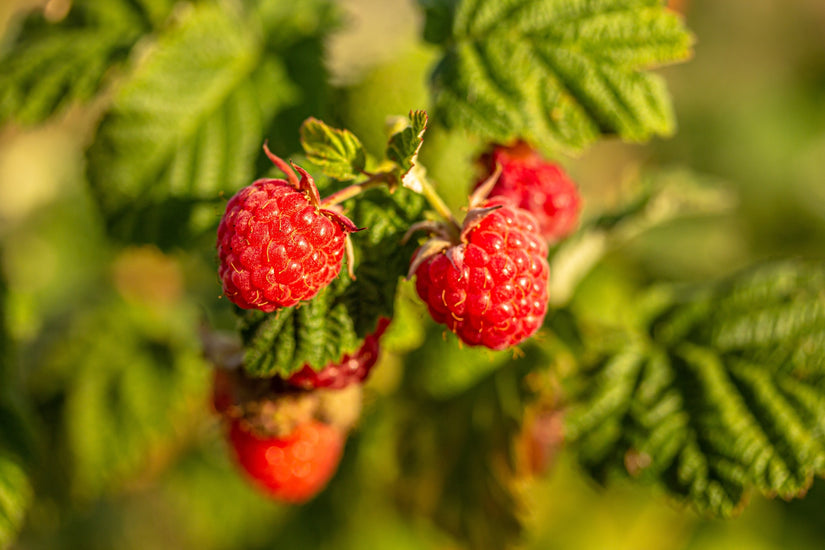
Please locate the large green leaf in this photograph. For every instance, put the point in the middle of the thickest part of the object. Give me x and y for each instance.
(15, 444)
(50, 66)
(134, 379)
(726, 394)
(337, 319)
(457, 456)
(558, 72)
(189, 121)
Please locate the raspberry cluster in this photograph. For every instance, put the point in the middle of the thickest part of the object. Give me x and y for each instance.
(486, 280)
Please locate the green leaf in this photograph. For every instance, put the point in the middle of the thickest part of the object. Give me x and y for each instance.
(51, 66)
(15, 497)
(457, 457)
(556, 72)
(134, 381)
(338, 153)
(725, 395)
(662, 197)
(341, 315)
(188, 123)
(403, 145)
(16, 492)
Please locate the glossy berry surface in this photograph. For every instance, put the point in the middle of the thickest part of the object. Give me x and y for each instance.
(539, 186)
(352, 369)
(491, 289)
(293, 468)
(276, 248)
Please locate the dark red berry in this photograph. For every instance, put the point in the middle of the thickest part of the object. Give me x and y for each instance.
(351, 369)
(539, 186)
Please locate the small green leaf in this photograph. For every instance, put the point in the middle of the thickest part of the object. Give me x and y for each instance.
(557, 72)
(725, 395)
(335, 322)
(338, 153)
(403, 145)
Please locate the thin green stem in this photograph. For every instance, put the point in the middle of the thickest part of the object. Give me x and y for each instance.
(374, 180)
(439, 205)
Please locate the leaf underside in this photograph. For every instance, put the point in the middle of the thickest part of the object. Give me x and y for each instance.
(560, 73)
(727, 394)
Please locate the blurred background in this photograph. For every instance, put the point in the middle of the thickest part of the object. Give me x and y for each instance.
(94, 324)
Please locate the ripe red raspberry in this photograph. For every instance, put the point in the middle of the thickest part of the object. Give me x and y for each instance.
(491, 288)
(276, 245)
(292, 468)
(536, 185)
(352, 369)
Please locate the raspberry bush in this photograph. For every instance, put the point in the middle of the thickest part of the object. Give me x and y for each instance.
(312, 279)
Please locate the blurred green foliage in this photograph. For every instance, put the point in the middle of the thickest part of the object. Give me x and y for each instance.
(104, 393)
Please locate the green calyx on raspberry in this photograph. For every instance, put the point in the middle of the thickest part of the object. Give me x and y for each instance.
(489, 285)
(537, 185)
(277, 245)
(291, 468)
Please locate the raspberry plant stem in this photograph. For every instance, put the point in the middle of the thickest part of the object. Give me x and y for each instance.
(439, 205)
(374, 180)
